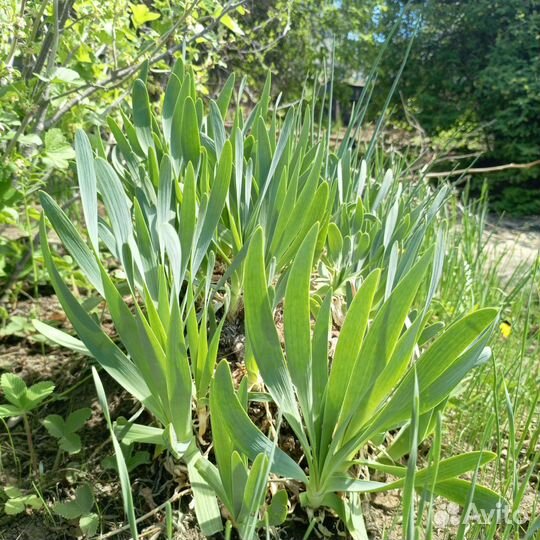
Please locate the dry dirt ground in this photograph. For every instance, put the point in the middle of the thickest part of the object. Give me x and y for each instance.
(513, 242)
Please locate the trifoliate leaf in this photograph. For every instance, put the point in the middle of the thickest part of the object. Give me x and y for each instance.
(17, 502)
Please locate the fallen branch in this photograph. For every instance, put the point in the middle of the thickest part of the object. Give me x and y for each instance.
(478, 170)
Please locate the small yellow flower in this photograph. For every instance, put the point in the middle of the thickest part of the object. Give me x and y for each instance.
(506, 329)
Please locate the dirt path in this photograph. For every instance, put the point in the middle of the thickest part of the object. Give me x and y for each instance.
(514, 242)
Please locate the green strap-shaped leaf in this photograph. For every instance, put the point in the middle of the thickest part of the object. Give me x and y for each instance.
(204, 497)
(61, 338)
(72, 240)
(142, 117)
(245, 434)
(441, 367)
(190, 136)
(169, 102)
(113, 360)
(447, 469)
(216, 202)
(140, 342)
(116, 202)
(321, 334)
(178, 376)
(391, 374)
(346, 355)
(148, 252)
(459, 491)
(317, 211)
(297, 322)
(224, 97)
(211, 475)
(382, 338)
(254, 493)
(261, 331)
(86, 176)
(127, 497)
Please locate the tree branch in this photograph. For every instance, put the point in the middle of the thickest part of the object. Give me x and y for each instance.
(123, 74)
(479, 170)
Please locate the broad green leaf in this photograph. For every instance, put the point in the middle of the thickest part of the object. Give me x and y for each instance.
(37, 393)
(54, 424)
(77, 419)
(80, 505)
(7, 411)
(89, 524)
(13, 507)
(277, 511)
(14, 388)
(58, 152)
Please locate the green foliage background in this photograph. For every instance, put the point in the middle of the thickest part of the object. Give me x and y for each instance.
(477, 62)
